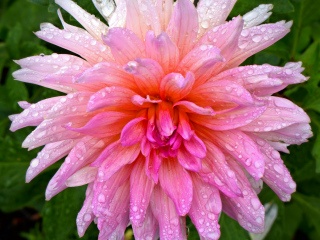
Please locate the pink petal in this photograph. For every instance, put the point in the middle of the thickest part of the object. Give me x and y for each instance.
(243, 149)
(205, 209)
(82, 177)
(149, 229)
(52, 130)
(34, 114)
(184, 128)
(82, 154)
(50, 63)
(141, 188)
(165, 10)
(235, 118)
(141, 17)
(195, 146)
(280, 113)
(190, 107)
(251, 219)
(110, 73)
(153, 163)
(145, 146)
(30, 76)
(294, 134)
(175, 87)
(279, 146)
(80, 43)
(147, 74)
(113, 158)
(71, 105)
(177, 184)
(85, 216)
(276, 175)
(143, 102)
(113, 219)
(112, 97)
(188, 161)
(255, 39)
(183, 26)
(133, 132)
(105, 192)
(265, 79)
(213, 13)
(165, 117)
(200, 61)
(124, 44)
(92, 24)
(50, 154)
(216, 171)
(165, 212)
(214, 92)
(161, 49)
(105, 124)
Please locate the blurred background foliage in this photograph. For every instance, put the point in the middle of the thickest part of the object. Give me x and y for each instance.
(24, 213)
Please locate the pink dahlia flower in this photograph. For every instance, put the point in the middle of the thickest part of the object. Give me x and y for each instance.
(159, 119)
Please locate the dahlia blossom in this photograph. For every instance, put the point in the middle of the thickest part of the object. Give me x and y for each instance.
(159, 119)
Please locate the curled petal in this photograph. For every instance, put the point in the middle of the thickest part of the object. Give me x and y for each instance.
(187, 106)
(143, 102)
(188, 161)
(175, 87)
(134, 131)
(257, 15)
(195, 146)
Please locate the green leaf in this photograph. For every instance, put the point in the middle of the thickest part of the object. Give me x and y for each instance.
(60, 213)
(231, 230)
(311, 206)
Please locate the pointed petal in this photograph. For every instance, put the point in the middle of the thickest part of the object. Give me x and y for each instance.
(165, 212)
(279, 114)
(213, 13)
(124, 44)
(141, 188)
(92, 24)
(205, 209)
(80, 43)
(195, 146)
(177, 184)
(183, 26)
(184, 128)
(255, 39)
(257, 16)
(85, 216)
(149, 229)
(50, 154)
(251, 219)
(163, 50)
(276, 175)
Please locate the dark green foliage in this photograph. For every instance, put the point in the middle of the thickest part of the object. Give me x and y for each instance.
(20, 18)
